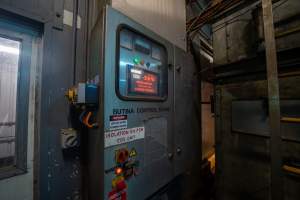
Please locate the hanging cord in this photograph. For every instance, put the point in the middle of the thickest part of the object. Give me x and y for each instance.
(85, 117)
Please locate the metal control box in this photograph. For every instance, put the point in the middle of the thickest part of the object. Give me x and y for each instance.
(133, 153)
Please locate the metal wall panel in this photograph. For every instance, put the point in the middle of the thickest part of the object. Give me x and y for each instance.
(54, 170)
(165, 17)
(187, 129)
(187, 141)
(243, 145)
(41, 10)
(239, 35)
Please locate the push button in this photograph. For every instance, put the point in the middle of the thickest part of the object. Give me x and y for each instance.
(122, 156)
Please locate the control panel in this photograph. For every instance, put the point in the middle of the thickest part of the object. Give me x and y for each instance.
(131, 151)
(141, 67)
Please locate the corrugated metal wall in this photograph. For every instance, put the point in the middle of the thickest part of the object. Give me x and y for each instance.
(165, 17)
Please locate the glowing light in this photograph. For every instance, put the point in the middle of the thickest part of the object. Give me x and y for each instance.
(10, 50)
(136, 60)
(118, 170)
(122, 63)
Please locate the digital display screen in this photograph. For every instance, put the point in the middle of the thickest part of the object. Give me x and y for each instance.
(141, 67)
(143, 81)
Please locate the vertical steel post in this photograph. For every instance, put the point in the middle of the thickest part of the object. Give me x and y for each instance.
(274, 103)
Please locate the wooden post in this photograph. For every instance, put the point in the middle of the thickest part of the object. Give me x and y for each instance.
(274, 103)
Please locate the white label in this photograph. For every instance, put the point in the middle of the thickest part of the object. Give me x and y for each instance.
(120, 124)
(68, 19)
(123, 136)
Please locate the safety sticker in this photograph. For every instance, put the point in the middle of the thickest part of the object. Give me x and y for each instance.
(114, 195)
(132, 153)
(123, 136)
(117, 122)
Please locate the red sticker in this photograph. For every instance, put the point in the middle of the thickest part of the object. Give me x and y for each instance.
(117, 117)
(119, 192)
(117, 195)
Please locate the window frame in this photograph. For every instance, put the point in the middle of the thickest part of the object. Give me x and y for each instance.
(22, 100)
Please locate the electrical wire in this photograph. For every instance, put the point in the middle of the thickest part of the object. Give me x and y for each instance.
(234, 19)
(210, 9)
(193, 19)
(211, 13)
(85, 119)
(195, 24)
(222, 25)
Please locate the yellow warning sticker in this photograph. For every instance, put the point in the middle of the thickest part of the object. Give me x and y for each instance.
(132, 153)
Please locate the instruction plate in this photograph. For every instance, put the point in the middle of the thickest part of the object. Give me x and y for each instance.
(123, 136)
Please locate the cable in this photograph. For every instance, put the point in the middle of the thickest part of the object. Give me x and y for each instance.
(82, 115)
(250, 9)
(191, 29)
(196, 23)
(86, 121)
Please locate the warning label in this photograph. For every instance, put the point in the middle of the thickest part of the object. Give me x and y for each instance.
(132, 153)
(117, 122)
(123, 136)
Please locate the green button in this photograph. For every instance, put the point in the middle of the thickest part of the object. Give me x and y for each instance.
(136, 60)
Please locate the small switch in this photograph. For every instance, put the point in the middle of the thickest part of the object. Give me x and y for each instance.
(142, 62)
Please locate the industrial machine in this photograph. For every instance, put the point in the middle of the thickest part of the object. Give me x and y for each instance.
(140, 144)
(129, 127)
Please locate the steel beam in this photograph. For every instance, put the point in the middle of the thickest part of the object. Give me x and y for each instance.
(276, 192)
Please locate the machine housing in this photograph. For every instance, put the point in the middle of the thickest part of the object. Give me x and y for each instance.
(148, 132)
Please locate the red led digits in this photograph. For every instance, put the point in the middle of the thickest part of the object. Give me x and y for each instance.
(150, 77)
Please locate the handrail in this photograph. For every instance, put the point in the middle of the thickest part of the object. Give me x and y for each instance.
(291, 169)
(290, 119)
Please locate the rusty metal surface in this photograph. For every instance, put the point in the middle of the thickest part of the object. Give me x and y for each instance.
(208, 120)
